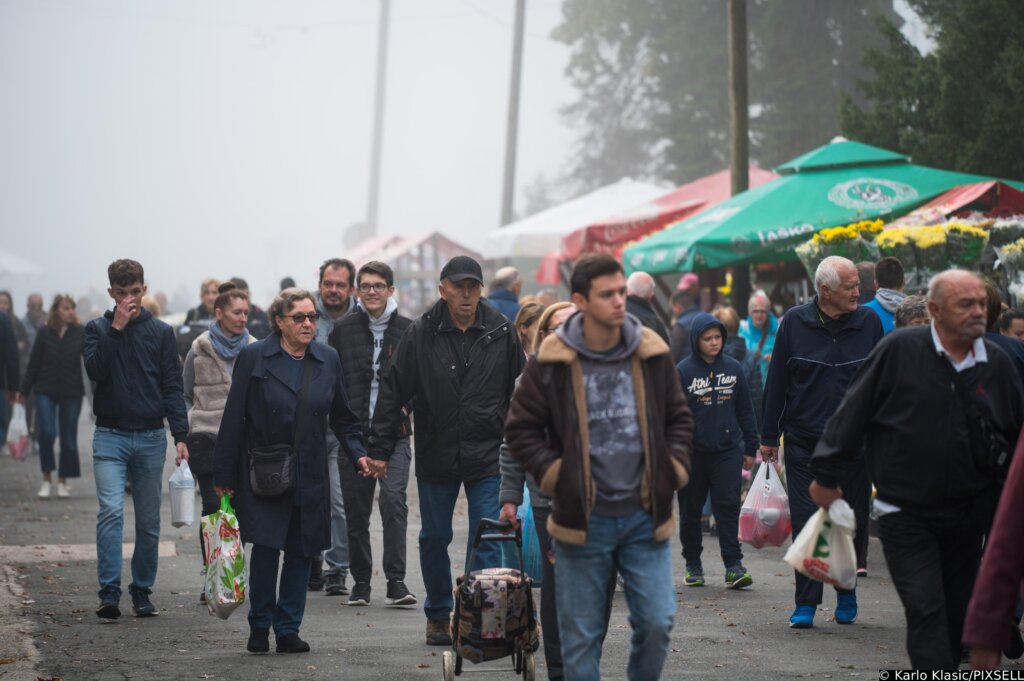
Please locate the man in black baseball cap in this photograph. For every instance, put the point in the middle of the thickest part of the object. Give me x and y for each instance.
(459, 361)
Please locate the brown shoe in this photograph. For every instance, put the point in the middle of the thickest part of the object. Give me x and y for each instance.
(438, 633)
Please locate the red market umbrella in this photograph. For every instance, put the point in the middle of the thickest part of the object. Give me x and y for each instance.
(609, 236)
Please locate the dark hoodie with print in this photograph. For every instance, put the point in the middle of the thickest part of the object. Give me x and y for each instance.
(718, 396)
(616, 449)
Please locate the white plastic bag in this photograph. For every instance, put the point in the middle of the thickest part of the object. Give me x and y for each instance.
(824, 548)
(764, 516)
(226, 576)
(182, 487)
(17, 433)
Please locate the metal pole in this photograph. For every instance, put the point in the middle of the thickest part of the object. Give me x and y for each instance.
(378, 119)
(739, 157)
(512, 131)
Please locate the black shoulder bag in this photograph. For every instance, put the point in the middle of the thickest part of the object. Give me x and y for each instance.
(272, 468)
(991, 452)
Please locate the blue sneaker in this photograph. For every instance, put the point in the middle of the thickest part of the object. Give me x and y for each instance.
(694, 576)
(846, 608)
(803, 617)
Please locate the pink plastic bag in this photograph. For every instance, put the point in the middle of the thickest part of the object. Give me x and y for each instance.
(17, 434)
(764, 516)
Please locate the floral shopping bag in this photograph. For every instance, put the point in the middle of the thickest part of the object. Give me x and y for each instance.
(225, 569)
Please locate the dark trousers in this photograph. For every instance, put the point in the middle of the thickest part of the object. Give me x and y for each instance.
(394, 513)
(211, 504)
(721, 474)
(933, 560)
(59, 417)
(856, 491)
(279, 606)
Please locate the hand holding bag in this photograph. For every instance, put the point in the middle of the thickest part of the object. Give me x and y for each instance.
(272, 468)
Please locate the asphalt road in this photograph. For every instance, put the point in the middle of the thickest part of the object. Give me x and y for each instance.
(48, 628)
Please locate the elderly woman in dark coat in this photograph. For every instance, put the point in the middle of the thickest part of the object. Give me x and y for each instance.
(261, 411)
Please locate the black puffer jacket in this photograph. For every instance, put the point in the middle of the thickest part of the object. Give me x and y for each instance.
(353, 340)
(458, 424)
(55, 366)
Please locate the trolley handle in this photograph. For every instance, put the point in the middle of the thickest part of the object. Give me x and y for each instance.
(484, 533)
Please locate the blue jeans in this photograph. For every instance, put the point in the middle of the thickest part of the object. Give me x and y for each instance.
(437, 506)
(280, 606)
(59, 417)
(336, 556)
(119, 456)
(581, 577)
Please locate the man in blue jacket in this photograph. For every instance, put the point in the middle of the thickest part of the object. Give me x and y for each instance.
(505, 290)
(724, 442)
(818, 349)
(131, 355)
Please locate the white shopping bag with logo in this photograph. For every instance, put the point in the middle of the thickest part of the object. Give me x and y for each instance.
(824, 548)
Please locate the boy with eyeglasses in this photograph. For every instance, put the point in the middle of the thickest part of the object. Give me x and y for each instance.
(365, 340)
(131, 355)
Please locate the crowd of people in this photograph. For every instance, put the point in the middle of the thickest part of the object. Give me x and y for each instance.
(606, 415)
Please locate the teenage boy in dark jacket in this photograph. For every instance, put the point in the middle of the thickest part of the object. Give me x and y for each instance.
(366, 339)
(600, 421)
(132, 357)
(460, 361)
(724, 443)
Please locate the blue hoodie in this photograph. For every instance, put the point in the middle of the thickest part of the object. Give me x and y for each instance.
(723, 414)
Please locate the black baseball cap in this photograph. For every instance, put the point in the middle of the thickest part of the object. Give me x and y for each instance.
(462, 267)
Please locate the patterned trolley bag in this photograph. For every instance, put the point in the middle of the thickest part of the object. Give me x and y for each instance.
(494, 615)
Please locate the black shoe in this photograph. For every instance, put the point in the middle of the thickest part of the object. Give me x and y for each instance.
(360, 594)
(398, 593)
(316, 576)
(1015, 649)
(291, 643)
(334, 585)
(142, 606)
(259, 641)
(109, 606)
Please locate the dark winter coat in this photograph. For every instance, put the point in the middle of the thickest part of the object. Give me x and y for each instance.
(810, 370)
(261, 410)
(457, 424)
(55, 365)
(9, 367)
(718, 396)
(680, 334)
(644, 311)
(903, 406)
(353, 340)
(137, 375)
(505, 302)
(547, 432)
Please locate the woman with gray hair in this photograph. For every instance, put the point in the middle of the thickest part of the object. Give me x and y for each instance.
(759, 329)
(271, 457)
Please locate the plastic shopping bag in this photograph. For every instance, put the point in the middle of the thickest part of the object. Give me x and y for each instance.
(182, 487)
(824, 548)
(764, 516)
(531, 542)
(17, 433)
(225, 570)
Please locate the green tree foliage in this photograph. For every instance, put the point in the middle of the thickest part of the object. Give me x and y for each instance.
(653, 81)
(957, 107)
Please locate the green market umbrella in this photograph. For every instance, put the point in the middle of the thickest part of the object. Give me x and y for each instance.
(836, 184)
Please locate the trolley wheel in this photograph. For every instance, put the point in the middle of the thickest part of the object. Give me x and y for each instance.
(448, 665)
(529, 667)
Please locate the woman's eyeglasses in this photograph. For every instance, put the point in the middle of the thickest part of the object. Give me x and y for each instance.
(299, 318)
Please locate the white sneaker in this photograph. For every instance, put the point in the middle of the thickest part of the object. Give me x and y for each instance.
(63, 491)
(44, 490)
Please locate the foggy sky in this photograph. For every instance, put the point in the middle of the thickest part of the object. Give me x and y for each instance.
(233, 137)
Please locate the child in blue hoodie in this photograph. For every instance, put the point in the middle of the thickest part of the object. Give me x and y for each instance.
(724, 442)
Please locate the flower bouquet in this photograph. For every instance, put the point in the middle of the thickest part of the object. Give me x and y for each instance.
(869, 229)
(1005, 231)
(964, 245)
(810, 256)
(896, 243)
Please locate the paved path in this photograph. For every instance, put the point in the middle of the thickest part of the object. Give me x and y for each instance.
(48, 628)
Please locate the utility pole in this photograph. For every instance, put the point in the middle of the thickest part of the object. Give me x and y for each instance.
(512, 130)
(378, 119)
(739, 123)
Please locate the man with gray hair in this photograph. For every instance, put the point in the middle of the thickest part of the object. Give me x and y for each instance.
(818, 349)
(639, 294)
(918, 404)
(504, 294)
